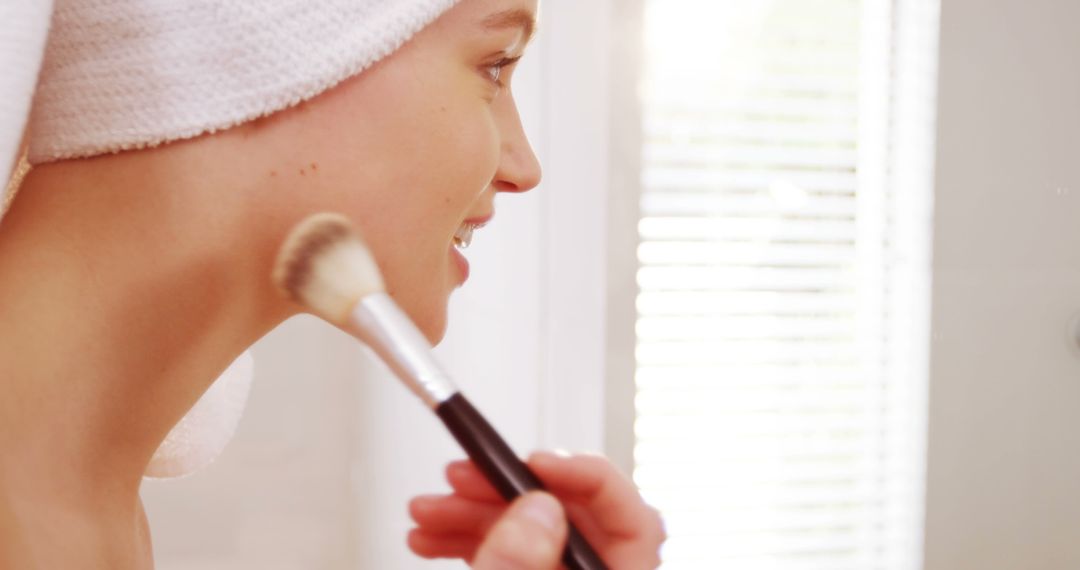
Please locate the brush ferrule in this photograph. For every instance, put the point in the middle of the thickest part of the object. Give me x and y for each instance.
(383, 326)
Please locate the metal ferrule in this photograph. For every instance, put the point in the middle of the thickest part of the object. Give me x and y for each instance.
(383, 326)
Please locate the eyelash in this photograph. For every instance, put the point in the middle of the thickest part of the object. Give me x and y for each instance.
(496, 77)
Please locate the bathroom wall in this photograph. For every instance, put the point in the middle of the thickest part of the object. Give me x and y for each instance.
(1003, 489)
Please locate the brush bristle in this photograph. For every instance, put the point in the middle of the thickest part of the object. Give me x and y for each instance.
(324, 265)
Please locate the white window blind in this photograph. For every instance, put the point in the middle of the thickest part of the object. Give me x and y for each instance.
(782, 308)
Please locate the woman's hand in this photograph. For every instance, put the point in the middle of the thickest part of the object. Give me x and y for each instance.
(474, 523)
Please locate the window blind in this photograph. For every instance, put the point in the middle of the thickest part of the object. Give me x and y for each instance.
(779, 412)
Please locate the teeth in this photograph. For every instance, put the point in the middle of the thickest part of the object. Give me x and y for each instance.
(463, 236)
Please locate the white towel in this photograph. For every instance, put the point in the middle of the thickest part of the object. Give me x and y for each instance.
(202, 434)
(129, 74)
(125, 74)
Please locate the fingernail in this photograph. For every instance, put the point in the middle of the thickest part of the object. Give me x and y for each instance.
(543, 509)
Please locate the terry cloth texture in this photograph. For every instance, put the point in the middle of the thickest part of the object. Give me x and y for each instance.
(128, 74)
(202, 434)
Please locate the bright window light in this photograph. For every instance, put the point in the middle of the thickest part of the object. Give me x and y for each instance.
(783, 276)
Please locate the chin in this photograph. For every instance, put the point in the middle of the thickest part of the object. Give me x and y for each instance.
(427, 308)
(433, 327)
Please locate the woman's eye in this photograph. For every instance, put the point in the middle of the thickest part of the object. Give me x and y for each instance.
(494, 70)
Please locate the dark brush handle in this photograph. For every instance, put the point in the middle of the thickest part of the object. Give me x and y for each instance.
(505, 471)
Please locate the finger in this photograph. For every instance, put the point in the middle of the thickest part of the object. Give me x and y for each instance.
(611, 500)
(530, 536)
(610, 497)
(429, 545)
(452, 514)
(467, 480)
(469, 484)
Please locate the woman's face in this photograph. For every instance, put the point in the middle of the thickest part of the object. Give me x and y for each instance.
(415, 148)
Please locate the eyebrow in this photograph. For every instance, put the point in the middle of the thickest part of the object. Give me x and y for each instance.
(517, 18)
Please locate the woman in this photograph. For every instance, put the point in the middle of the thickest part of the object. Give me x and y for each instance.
(141, 243)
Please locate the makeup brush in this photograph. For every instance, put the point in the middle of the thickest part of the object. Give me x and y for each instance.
(325, 265)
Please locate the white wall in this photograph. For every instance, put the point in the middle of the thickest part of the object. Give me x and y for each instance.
(331, 447)
(1003, 486)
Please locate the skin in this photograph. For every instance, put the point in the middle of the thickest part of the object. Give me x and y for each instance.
(131, 281)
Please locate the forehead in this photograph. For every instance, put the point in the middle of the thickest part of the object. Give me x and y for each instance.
(487, 16)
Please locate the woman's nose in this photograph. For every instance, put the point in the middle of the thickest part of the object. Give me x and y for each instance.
(519, 170)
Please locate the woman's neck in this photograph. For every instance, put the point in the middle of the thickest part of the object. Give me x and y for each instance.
(128, 285)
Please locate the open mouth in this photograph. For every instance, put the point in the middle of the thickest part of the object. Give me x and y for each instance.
(463, 235)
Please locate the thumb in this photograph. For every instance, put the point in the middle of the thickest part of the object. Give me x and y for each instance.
(529, 536)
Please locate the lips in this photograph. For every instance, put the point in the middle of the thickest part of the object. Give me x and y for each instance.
(461, 240)
(461, 263)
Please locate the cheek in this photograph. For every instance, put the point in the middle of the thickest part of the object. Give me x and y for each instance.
(429, 187)
(436, 190)
(409, 174)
